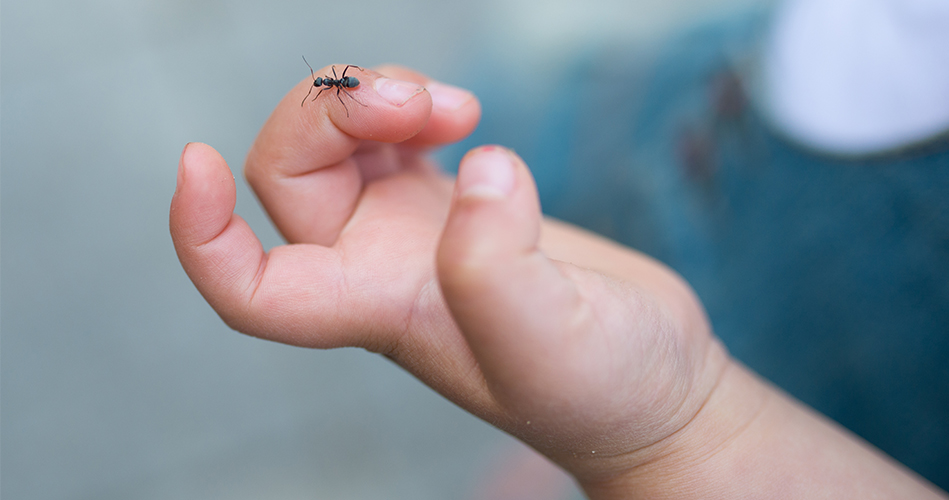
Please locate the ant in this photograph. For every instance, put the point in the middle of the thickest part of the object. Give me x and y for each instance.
(341, 83)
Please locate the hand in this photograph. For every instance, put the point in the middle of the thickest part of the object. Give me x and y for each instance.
(588, 351)
(595, 355)
(360, 205)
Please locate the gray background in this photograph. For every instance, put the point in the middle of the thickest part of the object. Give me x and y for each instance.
(118, 381)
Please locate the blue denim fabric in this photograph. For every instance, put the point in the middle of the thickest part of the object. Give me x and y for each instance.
(828, 276)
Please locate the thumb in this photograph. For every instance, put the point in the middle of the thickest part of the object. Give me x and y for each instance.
(513, 305)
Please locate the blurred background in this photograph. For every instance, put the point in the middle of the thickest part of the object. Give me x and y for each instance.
(118, 380)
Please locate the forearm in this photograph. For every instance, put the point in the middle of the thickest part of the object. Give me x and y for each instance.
(750, 440)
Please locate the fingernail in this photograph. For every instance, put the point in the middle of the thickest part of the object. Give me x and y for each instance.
(448, 97)
(487, 173)
(396, 91)
(181, 169)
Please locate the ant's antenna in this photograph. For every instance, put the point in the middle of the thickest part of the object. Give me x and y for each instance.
(311, 86)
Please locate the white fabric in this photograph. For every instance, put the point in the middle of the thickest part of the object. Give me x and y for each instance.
(858, 76)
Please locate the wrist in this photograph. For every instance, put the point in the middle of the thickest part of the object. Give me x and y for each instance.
(750, 440)
(692, 461)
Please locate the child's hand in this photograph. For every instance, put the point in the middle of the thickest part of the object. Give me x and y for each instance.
(585, 366)
(593, 354)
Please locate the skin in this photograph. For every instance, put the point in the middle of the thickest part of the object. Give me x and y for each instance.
(597, 356)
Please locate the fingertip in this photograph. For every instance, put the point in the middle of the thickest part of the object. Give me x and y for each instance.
(207, 172)
(449, 98)
(205, 195)
(455, 115)
(486, 172)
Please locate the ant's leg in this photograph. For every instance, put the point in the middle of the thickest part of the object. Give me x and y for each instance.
(341, 100)
(318, 93)
(307, 95)
(347, 69)
(334, 73)
(314, 97)
(354, 98)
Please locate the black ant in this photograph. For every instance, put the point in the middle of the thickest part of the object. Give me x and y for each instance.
(341, 83)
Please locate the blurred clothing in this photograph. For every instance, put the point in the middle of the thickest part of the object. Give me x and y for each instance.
(828, 276)
(857, 76)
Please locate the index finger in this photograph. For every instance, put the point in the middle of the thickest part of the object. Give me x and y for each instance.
(300, 165)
